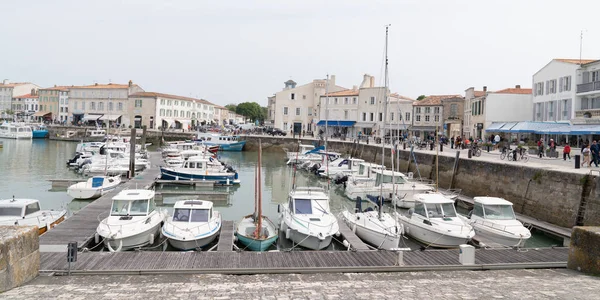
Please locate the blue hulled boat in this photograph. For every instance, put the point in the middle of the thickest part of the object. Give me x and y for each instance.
(40, 132)
(225, 142)
(198, 168)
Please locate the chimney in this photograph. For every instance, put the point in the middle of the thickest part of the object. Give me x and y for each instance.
(32, 92)
(96, 83)
(5, 81)
(372, 81)
(354, 87)
(332, 80)
(485, 88)
(518, 86)
(55, 85)
(130, 83)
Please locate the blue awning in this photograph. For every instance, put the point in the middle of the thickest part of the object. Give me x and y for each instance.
(507, 127)
(337, 123)
(494, 127)
(585, 129)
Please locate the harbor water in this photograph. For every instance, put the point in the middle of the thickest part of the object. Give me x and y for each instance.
(27, 165)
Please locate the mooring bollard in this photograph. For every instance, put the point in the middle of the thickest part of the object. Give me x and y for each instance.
(577, 161)
(400, 257)
(441, 147)
(466, 255)
(469, 153)
(71, 254)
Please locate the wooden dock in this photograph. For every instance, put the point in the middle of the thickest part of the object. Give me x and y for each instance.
(246, 262)
(219, 198)
(81, 227)
(195, 183)
(226, 237)
(65, 183)
(355, 242)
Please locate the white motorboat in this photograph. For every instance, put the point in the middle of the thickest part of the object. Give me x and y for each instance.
(15, 131)
(133, 221)
(88, 147)
(374, 226)
(305, 153)
(434, 222)
(494, 219)
(366, 172)
(225, 142)
(340, 167)
(396, 187)
(307, 220)
(194, 224)
(325, 158)
(27, 212)
(198, 168)
(94, 187)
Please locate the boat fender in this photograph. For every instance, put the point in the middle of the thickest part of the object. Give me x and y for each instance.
(337, 234)
(110, 248)
(151, 238)
(235, 238)
(346, 244)
(354, 227)
(287, 233)
(96, 238)
(407, 229)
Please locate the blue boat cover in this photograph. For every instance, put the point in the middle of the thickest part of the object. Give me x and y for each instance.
(337, 123)
(97, 182)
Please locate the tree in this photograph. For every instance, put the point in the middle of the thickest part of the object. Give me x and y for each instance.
(250, 110)
(421, 97)
(231, 107)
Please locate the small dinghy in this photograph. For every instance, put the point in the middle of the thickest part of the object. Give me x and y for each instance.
(93, 187)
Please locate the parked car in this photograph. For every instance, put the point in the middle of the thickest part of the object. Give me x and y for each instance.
(276, 131)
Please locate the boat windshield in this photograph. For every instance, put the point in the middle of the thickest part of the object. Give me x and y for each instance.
(440, 210)
(139, 208)
(200, 215)
(10, 211)
(131, 208)
(388, 179)
(119, 208)
(499, 212)
(181, 215)
(303, 206)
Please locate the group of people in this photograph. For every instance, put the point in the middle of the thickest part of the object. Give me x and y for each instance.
(591, 154)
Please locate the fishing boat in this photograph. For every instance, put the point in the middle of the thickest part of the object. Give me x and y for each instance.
(27, 212)
(434, 222)
(256, 232)
(133, 221)
(494, 219)
(198, 168)
(194, 224)
(94, 187)
(40, 131)
(376, 227)
(15, 131)
(225, 142)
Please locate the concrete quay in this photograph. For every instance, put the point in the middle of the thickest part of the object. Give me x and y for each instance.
(505, 284)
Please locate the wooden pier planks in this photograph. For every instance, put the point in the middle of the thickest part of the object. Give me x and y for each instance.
(81, 227)
(351, 237)
(157, 260)
(226, 237)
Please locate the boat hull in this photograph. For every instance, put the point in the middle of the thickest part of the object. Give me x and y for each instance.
(186, 245)
(306, 241)
(84, 194)
(381, 239)
(219, 179)
(256, 245)
(433, 238)
(133, 241)
(237, 146)
(497, 237)
(40, 134)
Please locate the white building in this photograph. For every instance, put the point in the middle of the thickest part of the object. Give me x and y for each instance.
(554, 90)
(508, 105)
(102, 102)
(474, 112)
(587, 104)
(296, 107)
(9, 90)
(25, 106)
(428, 116)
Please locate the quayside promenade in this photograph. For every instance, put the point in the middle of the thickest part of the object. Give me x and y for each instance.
(505, 284)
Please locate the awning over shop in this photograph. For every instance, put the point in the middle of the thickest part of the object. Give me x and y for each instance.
(585, 129)
(495, 127)
(397, 126)
(42, 113)
(184, 122)
(110, 117)
(507, 127)
(337, 123)
(91, 117)
(168, 121)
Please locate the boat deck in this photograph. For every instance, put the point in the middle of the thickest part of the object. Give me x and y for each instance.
(244, 262)
(81, 227)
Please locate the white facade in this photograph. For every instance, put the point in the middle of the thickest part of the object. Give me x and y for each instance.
(298, 106)
(554, 90)
(10, 90)
(474, 112)
(508, 105)
(587, 104)
(63, 105)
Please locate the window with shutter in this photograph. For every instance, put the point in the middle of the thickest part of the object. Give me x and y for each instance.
(560, 85)
(547, 87)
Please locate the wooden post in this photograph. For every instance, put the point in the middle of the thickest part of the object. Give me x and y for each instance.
(132, 154)
(144, 138)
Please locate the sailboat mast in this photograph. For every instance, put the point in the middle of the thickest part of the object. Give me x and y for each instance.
(258, 184)
(326, 126)
(381, 132)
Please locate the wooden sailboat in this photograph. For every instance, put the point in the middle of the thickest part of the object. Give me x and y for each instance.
(256, 232)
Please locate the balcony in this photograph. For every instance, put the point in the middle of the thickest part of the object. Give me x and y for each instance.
(588, 87)
(588, 113)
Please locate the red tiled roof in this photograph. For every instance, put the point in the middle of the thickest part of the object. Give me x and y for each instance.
(396, 95)
(435, 100)
(349, 92)
(575, 60)
(13, 84)
(514, 91)
(27, 96)
(102, 86)
(155, 95)
(57, 88)
(479, 93)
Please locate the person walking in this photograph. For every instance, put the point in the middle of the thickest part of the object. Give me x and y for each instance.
(452, 142)
(595, 149)
(541, 148)
(586, 155)
(567, 152)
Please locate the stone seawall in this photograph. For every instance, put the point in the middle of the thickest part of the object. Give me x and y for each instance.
(19, 255)
(552, 196)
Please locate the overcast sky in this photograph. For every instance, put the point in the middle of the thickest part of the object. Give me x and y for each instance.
(236, 51)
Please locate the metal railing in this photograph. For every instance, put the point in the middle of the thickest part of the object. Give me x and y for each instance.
(588, 87)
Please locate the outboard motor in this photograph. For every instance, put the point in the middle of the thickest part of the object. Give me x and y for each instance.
(358, 207)
(341, 180)
(230, 169)
(315, 168)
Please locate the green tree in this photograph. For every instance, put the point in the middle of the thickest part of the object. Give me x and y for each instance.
(231, 107)
(421, 97)
(250, 110)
